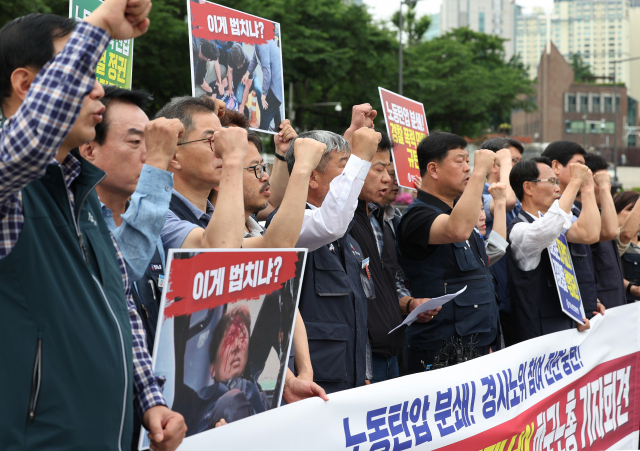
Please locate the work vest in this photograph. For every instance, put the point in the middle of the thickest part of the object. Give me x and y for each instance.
(583, 265)
(147, 293)
(333, 305)
(447, 270)
(535, 305)
(608, 271)
(631, 262)
(67, 370)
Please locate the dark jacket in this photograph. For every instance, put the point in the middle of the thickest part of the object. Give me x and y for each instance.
(383, 310)
(66, 378)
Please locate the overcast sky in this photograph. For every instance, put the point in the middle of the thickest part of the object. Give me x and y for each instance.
(383, 9)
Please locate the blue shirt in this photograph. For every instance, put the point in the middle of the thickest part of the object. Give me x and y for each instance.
(175, 230)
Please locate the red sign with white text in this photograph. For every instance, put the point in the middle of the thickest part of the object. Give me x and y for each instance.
(211, 21)
(406, 126)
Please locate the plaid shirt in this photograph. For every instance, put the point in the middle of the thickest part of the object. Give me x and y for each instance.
(29, 141)
(401, 290)
(32, 136)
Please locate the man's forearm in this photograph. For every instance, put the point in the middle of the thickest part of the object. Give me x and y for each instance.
(33, 135)
(587, 227)
(505, 171)
(464, 215)
(279, 180)
(284, 230)
(226, 227)
(609, 226)
(144, 219)
(500, 219)
(302, 357)
(631, 225)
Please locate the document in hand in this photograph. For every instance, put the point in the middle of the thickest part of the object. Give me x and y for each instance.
(431, 304)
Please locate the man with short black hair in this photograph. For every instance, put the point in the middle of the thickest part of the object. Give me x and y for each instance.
(508, 153)
(606, 259)
(535, 304)
(562, 154)
(440, 251)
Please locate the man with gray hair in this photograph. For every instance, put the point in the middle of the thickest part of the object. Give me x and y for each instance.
(333, 301)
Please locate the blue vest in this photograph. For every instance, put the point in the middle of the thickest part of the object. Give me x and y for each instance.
(582, 259)
(333, 305)
(146, 294)
(631, 265)
(608, 272)
(535, 305)
(447, 270)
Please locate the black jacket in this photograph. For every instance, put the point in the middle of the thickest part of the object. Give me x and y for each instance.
(383, 309)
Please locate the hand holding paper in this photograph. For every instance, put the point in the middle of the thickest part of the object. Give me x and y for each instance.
(431, 304)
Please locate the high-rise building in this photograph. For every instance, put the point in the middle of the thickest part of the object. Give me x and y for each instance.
(434, 28)
(496, 17)
(597, 30)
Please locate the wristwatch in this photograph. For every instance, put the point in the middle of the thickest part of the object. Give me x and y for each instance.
(280, 157)
(409, 305)
(631, 284)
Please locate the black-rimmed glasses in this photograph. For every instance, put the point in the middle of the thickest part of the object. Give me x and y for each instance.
(210, 139)
(260, 169)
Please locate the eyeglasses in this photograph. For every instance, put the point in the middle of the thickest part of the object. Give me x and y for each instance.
(210, 139)
(554, 181)
(260, 169)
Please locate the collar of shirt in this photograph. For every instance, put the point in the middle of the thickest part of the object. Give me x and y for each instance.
(255, 229)
(434, 201)
(312, 207)
(195, 210)
(71, 167)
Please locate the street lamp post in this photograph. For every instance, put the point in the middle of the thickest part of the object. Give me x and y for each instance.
(408, 3)
(615, 109)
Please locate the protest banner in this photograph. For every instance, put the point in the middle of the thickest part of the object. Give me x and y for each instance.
(406, 126)
(116, 65)
(224, 332)
(566, 281)
(566, 391)
(237, 58)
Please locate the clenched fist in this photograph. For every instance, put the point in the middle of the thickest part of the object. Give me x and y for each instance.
(231, 144)
(122, 19)
(484, 161)
(365, 143)
(161, 137)
(308, 153)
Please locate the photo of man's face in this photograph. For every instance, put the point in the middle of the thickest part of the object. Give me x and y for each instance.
(232, 351)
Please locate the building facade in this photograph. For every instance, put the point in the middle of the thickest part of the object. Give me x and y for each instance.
(582, 113)
(597, 30)
(497, 17)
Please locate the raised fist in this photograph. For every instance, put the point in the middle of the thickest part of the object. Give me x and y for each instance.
(365, 143)
(284, 137)
(578, 171)
(308, 153)
(483, 161)
(231, 143)
(498, 191)
(122, 19)
(362, 116)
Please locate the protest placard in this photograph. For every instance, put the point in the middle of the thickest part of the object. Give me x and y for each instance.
(566, 281)
(406, 126)
(116, 65)
(237, 58)
(224, 332)
(564, 391)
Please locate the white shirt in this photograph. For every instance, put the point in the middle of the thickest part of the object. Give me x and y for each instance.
(528, 240)
(255, 229)
(495, 246)
(323, 225)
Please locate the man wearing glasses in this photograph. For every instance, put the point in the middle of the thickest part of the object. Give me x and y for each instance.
(535, 305)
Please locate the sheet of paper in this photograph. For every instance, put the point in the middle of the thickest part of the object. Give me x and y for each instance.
(431, 304)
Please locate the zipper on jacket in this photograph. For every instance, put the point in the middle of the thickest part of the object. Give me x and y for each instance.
(36, 381)
(115, 318)
(445, 288)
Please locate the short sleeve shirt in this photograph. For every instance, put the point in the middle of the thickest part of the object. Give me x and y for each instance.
(415, 225)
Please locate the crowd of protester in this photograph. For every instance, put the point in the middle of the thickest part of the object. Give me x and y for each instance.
(93, 194)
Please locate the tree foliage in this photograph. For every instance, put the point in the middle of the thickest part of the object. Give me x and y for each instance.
(414, 27)
(581, 70)
(464, 82)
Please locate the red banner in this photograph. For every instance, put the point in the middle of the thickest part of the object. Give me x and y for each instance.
(211, 21)
(406, 126)
(205, 281)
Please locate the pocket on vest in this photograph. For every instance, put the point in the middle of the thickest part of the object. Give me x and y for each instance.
(465, 257)
(609, 279)
(329, 275)
(631, 266)
(328, 349)
(476, 309)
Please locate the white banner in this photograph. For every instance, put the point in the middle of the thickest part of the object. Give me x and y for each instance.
(566, 391)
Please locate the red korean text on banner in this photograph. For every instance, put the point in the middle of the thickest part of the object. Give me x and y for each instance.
(211, 21)
(407, 126)
(205, 281)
